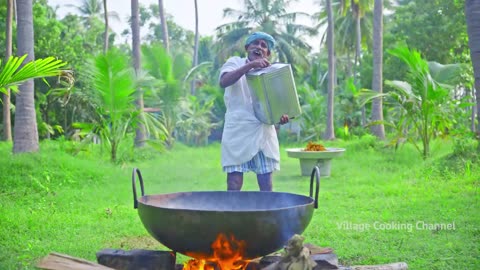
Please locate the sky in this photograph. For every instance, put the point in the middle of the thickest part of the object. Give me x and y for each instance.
(183, 11)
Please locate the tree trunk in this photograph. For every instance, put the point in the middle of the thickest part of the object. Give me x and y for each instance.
(105, 35)
(25, 137)
(164, 26)
(358, 56)
(195, 47)
(358, 39)
(377, 78)
(330, 131)
(7, 123)
(472, 13)
(140, 131)
(472, 111)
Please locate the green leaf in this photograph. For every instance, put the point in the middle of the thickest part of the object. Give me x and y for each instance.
(12, 73)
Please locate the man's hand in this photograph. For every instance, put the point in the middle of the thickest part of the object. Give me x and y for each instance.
(284, 119)
(259, 63)
(232, 77)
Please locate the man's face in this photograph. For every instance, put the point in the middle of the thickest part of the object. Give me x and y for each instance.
(258, 49)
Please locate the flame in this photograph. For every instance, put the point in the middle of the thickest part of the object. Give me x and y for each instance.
(227, 254)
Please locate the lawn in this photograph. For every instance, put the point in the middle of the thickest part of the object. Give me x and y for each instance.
(378, 206)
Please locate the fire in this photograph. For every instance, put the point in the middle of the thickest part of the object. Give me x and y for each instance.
(227, 255)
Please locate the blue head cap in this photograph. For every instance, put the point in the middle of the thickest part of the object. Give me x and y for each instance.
(261, 35)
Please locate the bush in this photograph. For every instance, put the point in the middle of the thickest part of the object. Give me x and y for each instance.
(365, 142)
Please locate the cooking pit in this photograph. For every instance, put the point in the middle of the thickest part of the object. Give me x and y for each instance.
(257, 222)
(219, 230)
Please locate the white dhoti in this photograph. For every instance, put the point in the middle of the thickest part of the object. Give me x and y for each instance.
(243, 134)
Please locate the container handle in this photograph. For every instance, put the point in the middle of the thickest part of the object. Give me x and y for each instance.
(140, 179)
(316, 173)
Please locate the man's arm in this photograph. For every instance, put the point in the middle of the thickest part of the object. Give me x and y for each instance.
(229, 78)
(232, 77)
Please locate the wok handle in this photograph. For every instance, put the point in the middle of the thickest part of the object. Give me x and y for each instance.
(316, 173)
(135, 201)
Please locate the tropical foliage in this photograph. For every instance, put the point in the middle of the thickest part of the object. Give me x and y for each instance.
(270, 16)
(166, 90)
(313, 113)
(328, 94)
(12, 73)
(422, 105)
(194, 123)
(112, 96)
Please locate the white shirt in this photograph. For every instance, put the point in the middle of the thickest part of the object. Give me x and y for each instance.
(243, 134)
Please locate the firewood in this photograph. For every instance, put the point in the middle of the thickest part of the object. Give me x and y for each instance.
(390, 266)
(318, 250)
(58, 261)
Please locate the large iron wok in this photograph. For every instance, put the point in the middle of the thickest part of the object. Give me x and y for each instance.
(189, 222)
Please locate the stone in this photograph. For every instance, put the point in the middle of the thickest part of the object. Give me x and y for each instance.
(268, 260)
(137, 259)
(325, 261)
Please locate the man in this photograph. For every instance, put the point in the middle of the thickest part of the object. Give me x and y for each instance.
(247, 143)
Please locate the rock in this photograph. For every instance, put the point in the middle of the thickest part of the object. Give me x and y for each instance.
(268, 260)
(137, 259)
(325, 261)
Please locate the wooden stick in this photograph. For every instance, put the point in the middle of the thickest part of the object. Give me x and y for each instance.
(57, 261)
(390, 266)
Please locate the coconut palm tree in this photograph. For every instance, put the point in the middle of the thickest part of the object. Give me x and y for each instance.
(358, 9)
(89, 10)
(351, 21)
(140, 136)
(348, 36)
(7, 125)
(95, 10)
(329, 132)
(195, 47)
(112, 98)
(378, 129)
(472, 13)
(160, 65)
(12, 73)
(25, 138)
(270, 16)
(105, 35)
(163, 23)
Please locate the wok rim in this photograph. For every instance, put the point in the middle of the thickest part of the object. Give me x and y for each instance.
(142, 198)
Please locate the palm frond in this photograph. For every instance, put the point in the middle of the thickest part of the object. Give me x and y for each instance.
(13, 73)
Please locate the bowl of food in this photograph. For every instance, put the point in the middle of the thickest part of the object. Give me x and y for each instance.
(315, 154)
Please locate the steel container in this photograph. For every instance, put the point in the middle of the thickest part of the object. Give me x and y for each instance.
(274, 93)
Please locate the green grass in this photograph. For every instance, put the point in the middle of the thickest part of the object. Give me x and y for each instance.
(78, 205)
